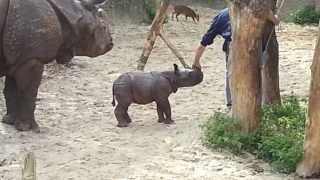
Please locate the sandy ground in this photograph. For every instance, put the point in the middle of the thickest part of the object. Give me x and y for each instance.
(79, 138)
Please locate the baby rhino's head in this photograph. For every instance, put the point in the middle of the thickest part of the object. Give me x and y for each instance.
(187, 77)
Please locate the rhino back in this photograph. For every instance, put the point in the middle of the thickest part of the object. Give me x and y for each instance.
(70, 10)
(32, 30)
(138, 85)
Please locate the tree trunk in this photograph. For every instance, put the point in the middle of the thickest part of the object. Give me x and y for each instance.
(270, 71)
(248, 20)
(310, 165)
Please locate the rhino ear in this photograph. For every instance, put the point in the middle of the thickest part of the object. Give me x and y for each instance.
(91, 4)
(176, 68)
(94, 2)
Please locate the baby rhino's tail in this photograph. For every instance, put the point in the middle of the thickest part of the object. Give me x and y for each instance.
(113, 101)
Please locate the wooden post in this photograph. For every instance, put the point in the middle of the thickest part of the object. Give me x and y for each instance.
(29, 168)
(247, 21)
(310, 164)
(155, 31)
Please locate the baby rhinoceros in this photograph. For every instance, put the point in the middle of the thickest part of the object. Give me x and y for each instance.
(144, 88)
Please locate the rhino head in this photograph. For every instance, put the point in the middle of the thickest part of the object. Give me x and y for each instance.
(93, 30)
(187, 77)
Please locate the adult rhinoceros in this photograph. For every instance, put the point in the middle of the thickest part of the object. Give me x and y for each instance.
(36, 32)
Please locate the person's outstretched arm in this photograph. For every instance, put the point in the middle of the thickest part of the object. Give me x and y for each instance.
(200, 50)
(207, 39)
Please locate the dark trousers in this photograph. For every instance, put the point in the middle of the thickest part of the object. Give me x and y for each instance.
(226, 49)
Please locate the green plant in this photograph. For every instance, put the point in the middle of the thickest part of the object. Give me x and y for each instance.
(222, 131)
(151, 9)
(306, 15)
(278, 140)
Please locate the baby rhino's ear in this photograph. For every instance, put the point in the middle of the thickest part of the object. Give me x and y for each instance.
(176, 69)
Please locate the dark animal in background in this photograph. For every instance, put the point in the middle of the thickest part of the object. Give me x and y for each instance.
(144, 88)
(36, 32)
(188, 12)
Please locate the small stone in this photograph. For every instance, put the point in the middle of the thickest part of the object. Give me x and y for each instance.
(168, 140)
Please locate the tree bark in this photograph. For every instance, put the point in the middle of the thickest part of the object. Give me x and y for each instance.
(248, 19)
(270, 71)
(310, 165)
(156, 26)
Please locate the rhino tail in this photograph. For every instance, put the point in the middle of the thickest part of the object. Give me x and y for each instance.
(113, 100)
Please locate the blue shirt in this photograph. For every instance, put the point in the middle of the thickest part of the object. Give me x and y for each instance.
(219, 26)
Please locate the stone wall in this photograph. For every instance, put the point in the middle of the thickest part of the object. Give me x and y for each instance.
(135, 11)
(126, 11)
(317, 3)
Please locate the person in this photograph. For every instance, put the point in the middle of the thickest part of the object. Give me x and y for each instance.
(221, 26)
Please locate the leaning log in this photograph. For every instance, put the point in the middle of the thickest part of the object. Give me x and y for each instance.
(156, 26)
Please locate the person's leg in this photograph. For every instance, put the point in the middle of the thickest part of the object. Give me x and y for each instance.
(228, 90)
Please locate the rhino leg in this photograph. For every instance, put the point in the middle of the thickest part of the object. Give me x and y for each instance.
(127, 117)
(28, 78)
(165, 107)
(160, 114)
(122, 115)
(10, 94)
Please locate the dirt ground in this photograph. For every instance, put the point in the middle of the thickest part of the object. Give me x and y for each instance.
(79, 139)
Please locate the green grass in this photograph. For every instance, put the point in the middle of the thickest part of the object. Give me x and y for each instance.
(279, 140)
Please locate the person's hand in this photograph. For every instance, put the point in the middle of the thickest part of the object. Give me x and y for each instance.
(196, 65)
(276, 20)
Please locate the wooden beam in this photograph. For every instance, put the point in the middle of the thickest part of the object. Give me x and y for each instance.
(156, 26)
(155, 31)
(174, 50)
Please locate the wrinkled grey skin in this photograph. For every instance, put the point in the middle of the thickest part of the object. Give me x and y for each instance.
(144, 88)
(36, 32)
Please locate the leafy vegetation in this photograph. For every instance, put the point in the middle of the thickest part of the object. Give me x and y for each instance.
(305, 15)
(279, 140)
(151, 9)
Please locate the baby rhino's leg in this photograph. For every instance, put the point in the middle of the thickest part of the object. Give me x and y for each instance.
(121, 111)
(160, 113)
(165, 107)
(121, 115)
